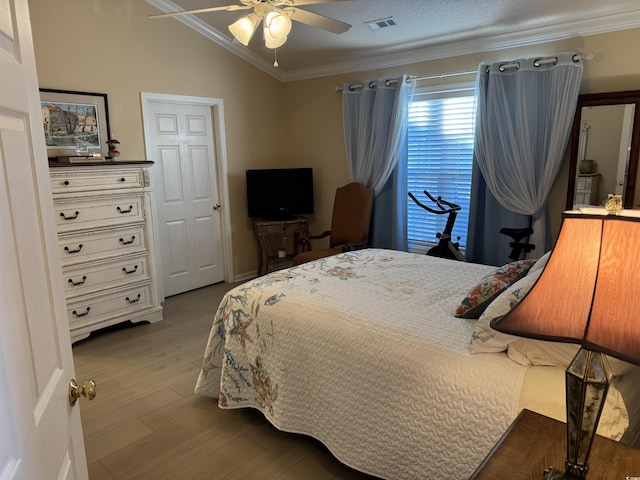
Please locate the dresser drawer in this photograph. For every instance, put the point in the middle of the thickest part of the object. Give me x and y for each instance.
(73, 215)
(71, 180)
(103, 244)
(95, 276)
(97, 308)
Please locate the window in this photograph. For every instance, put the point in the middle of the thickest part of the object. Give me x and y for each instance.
(440, 154)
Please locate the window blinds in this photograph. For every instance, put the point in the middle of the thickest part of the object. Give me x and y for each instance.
(440, 155)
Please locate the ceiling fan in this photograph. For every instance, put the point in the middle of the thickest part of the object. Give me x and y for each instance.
(277, 16)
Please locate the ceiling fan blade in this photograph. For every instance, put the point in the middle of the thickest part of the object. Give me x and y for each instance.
(228, 8)
(316, 20)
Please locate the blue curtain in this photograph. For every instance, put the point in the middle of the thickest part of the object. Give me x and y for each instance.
(523, 124)
(375, 127)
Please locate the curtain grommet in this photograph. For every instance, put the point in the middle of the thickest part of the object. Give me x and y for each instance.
(504, 66)
(538, 62)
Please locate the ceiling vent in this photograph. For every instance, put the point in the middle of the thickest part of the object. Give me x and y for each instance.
(382, 23)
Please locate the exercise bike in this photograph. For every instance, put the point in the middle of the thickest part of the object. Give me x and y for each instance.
(445, 247)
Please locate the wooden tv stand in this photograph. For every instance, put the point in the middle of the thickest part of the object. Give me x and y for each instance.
(273, 235)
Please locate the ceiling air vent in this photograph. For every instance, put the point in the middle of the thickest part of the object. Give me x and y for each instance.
(382, 23)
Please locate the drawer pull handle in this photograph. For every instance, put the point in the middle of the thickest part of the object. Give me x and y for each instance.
(70, 217)
(77, 250)
(128, 242)
(129, 272)
(66, 183)
(135, 300)
(122, 179)
(125, 211)
(83, 314)
(79, 282)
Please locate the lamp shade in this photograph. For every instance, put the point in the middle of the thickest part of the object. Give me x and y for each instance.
(588, 292)
(277, 24)
(271, 42)
(244, 28)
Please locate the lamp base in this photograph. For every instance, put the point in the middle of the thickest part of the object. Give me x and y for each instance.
(554, 474)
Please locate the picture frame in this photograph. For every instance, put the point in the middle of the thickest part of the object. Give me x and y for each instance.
(75, 122)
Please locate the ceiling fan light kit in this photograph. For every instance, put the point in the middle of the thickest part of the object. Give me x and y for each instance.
(277, 20)
(278, 24)
(271, 42)
(243, 29)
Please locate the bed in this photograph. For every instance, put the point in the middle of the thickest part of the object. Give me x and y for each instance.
(363, 352)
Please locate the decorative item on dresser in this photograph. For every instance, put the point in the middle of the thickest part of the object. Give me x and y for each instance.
(74, 120)
(113, 153)
(105, 238)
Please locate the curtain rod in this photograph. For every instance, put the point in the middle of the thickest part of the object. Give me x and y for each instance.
(410, 79)
(503, 67)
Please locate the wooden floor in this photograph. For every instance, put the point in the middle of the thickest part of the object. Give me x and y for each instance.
(146, 423)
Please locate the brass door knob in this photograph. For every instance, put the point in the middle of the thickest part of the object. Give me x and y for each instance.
(217, 206)
(87, 390)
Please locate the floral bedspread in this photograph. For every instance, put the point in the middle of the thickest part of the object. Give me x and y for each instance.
(362, 352)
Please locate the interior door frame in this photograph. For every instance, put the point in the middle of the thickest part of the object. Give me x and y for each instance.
(220, 146)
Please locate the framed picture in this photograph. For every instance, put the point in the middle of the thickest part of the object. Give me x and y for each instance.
(75, 123)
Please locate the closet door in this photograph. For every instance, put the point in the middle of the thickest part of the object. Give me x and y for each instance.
(186, 188)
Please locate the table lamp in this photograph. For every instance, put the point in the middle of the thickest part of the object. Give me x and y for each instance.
(587, 295)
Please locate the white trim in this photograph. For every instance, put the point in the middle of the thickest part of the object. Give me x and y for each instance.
(212, 34)
(521, 38)
(217, 111)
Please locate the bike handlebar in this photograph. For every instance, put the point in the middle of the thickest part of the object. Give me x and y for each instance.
(452, 207)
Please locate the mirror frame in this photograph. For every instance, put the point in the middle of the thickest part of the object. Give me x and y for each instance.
(610, 98)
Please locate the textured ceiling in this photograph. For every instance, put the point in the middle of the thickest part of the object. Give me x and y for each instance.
(425, 29)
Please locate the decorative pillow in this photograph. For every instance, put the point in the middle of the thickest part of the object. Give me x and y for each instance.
(528, 351)
(480, 296)
(540, 263)
(485, 338)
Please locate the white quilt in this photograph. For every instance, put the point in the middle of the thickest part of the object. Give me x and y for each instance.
(362, 352)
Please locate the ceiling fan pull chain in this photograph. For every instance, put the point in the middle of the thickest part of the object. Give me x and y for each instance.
(275, 56)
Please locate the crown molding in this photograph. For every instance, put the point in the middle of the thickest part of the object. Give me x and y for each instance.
(605, 24)
(533, 36)
(217, 37)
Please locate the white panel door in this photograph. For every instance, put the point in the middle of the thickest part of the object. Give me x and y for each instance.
(189, 222)
(40, 433)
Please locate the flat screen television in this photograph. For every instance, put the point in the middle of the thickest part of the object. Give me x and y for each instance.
(279, 193)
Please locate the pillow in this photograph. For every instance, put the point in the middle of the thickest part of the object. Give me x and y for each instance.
(485, 338)
(480, 296)
(527, 351)
(540, 263)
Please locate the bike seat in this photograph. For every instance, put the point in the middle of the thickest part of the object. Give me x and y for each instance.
(517, 233)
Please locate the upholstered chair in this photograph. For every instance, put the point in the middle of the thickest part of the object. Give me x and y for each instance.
(350, 224)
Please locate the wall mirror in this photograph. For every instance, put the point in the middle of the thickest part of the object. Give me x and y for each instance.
(605, 149)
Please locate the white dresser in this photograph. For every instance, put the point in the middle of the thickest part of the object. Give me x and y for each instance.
(105, 239)
(587, 189)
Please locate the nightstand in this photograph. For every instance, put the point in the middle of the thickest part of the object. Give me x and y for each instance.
(534, 442)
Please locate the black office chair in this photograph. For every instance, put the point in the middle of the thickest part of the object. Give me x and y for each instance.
(518, 247)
